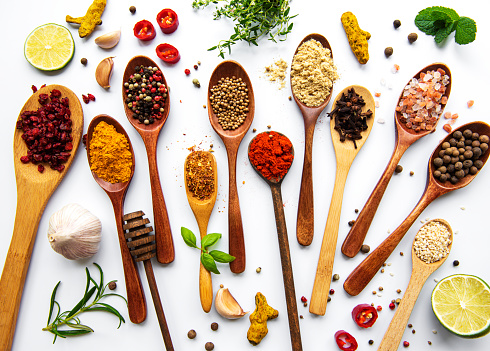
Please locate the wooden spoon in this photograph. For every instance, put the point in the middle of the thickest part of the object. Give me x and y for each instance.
(305, 220)
(366, 270)
(117, 193)
(149, 133)
(345, 152)
(33, 192)
(232, 140)
(420, 272)
(404, 138)
(287, 269)
(202, 211)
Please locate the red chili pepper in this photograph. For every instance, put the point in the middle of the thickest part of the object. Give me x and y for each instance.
(144, 30)
(345, 341)
(168, 53)
(364, 315)
(168, 21)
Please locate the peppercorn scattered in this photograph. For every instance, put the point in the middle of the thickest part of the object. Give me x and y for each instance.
(410, 325)
(83, 61)
(370, 342)
(187, 71)
(303, 299)
(229, 100)
(112, 285)
(392, 306)
(191, 334)
(258, 270)
(329, 299)
(196, 83)
(412, 37)
(406, 344)
(214, 326)
(380, 288)
(356, 210)
(269, 126)
(132, 9)
(301, 316)
(413, 331)
(336, 277)
(411, 173)
(455, 263)
(209, 346)
(196, 67)
(379, 308)
(397, 24)
(398, 290)
(388, 51)
(398, 169)
(332, 291)
(429, 342)
(401, 253)
(398, 301)
(365, 248)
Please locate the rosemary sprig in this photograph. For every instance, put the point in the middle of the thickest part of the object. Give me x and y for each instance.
(71, 318)
(253, 19)
(208, 258)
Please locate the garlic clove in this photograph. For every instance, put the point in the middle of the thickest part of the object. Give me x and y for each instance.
(226, 305)
(108, 40)
(103, 72)
(74, 232)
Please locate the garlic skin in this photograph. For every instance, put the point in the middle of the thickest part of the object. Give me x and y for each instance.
(74, 232)
(103, 72)
(227, 306)
(108, 40)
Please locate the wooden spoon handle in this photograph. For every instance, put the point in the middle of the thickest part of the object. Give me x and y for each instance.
(235, 227)
(287, 269)
(355, 238)
(158, 305)
(163, 233)
(321, 286)
(205, 288)
(365, 271)
(27, 218)
(305, 220)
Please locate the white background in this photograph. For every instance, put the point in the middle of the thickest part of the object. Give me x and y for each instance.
(188, 125)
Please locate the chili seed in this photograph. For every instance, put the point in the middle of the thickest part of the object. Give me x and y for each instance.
(214, 326)
(191, 334)
(112, 285)
(132, 9)
(365, 248)
(209, 346)
(412, 37)
(388, 51)
(455, 263)
(397, 24)
(83, 61)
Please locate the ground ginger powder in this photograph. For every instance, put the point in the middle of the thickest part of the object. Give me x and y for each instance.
(110, 157)
(312, 73)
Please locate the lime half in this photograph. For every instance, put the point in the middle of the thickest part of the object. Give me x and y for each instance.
(462, 305)
(49, 47)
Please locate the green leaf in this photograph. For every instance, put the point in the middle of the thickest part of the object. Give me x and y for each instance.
(208, 262)
(210, 240)
(82, 302)
(108, 308)
(79, 326)
(212, 48)
(51, 305)
(222, 257)
(465, 31)
(189, 237)
(65, 333)
(443, 33)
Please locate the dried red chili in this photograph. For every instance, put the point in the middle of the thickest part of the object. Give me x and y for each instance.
(168, 53)
(272, 154)
(144, 30)
(364, 315)
(168, 21)
(345, 341)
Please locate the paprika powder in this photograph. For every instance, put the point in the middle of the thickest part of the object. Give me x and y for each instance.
(271, 153)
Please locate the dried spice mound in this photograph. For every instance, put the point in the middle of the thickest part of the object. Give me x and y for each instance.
(258, 319)
(47, 132)
(432, 242)
(199, 174)
(277, 72)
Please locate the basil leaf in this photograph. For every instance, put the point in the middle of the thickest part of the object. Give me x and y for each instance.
(222, 257)
(465, 31)
(208, 262)
(189, 237)
(210, 240)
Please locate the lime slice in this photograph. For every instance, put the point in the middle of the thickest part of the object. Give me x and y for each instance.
(462, 305)
(49, 47)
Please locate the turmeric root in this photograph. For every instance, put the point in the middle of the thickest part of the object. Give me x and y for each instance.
(258, 319)
(90, 20)
(357, 37)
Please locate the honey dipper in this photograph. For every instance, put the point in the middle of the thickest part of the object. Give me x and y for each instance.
(142, 247)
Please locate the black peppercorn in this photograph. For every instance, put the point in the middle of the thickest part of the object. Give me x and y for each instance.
(388, 51)
(396, 24)
(412, 37)
(398, 169)
(191, 334)
(455, 263)
(132, 9)
(370, 342)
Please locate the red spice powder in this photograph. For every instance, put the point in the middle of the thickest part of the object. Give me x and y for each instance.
(271, 153)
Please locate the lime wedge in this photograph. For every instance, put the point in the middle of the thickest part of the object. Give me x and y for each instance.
(462, 305)
(49, 47)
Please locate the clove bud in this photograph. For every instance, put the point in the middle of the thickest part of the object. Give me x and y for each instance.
(103, 73)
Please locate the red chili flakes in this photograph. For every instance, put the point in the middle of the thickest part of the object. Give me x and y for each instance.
(91, 97)
(85, 99)
(34, 88)
(470, 103)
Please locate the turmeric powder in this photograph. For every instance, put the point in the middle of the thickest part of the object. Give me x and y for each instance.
(357, 37)
(110, 157)
(90, 20)
(258, 319)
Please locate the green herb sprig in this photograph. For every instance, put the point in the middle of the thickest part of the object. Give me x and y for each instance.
(441, 21)
(71, 318)
(253, 19)
(208, 258)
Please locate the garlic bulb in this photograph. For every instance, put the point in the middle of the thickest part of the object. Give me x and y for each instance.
(74, 232)
(226, 305)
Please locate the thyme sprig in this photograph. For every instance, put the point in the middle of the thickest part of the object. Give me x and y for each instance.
(71, 318)
(253, 19)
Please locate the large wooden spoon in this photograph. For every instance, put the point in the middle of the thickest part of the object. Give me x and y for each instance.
(33, 192)
(345, 152)
(202, 211)
(404, 138)
(366, 270)
(420, 272)
(232, 139)
(117, 193)
(305, 220)
(287, 268)
(149, 133)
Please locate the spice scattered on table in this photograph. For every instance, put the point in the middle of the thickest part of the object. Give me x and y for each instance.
(226, 305)
(191, 334)
(112, 285)
(470, 103)
(365, 248)
(209, 346)
(103, 72)
(168, 53)
(412, 38)
(199, 174)
(432, 242)
(258, 270)
(258, 319)
(455, 263)
(229, 100)
(388, 51)
(358, 38)
(312, 73)
(83, 61)
(276, 72)
(132, 9)
(214, 326)
(397, 23)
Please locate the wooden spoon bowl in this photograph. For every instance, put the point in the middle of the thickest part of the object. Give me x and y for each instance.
(365, 271)
(117, 193)
(149, 133)
(232, 139)
(404, 137)
(33, 192)
(305, 220)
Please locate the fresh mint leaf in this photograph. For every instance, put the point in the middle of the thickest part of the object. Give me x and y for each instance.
(427, 13)
(221, 256)
(189, 237)
(210, 240)
(465, 31)
(443, 33)
(208, 262)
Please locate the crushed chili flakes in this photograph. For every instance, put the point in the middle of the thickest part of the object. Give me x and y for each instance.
(199, 173)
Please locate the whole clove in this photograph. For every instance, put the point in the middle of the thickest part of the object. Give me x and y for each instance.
(350, 121)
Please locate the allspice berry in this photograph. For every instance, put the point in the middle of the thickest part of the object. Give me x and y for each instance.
(209, 346)
(388, 51)
(398, 169)
(412, 37)
(112, 285)
(365, 248)
(214, 326)
(191, 334)
(83, 61)
(396, 24)
(132, 9)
